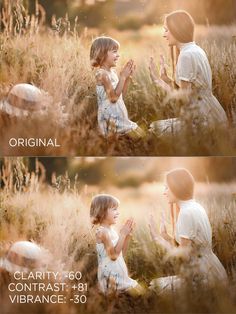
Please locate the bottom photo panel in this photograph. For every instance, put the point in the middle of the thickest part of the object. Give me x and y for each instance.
(118, 235)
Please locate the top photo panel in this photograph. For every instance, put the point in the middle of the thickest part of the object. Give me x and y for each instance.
(117, 78)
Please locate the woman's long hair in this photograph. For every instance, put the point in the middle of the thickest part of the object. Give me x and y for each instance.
(181, 183)
(174, 208)
(174, 54)
(181, 25)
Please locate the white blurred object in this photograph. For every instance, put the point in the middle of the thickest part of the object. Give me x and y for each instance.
(168, 126)
(166, 284)
(25, 256)
(24, 100)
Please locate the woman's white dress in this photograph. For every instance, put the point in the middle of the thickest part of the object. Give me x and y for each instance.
(193, 223)
(112, 117)
(193, 66)
(110, 271)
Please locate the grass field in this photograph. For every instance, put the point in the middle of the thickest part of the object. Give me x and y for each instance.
(59, 221)
(60, 65)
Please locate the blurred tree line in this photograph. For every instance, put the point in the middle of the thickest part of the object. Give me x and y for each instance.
(203, 11)
(108, 13)
(135, 171)
(97, 14)
(121, 172)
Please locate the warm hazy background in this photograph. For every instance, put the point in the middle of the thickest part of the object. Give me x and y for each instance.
(124, 172)
(124, 14)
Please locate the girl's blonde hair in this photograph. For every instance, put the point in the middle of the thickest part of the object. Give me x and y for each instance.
(181, 25)
(99, 49)
(100, 205)
(181, 183)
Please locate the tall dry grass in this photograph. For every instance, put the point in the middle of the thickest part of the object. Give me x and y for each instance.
(57, 217)
(57, 60)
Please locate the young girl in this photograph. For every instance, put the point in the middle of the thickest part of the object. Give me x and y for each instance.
(191, 233)
(112, 270)
(112, 112)
(192, 72)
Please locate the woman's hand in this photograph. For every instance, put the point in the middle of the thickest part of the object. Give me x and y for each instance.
(163, 230)
(127, 228)
(163, 72)
(162, 80)
(128, 69)
(152, 227)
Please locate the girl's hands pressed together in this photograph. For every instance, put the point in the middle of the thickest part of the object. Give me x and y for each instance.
(128, 69)
(127, 228)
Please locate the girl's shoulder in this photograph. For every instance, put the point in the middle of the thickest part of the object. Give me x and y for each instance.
(100, 71)
(101, 232)
(100, 75)
(103, 72)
